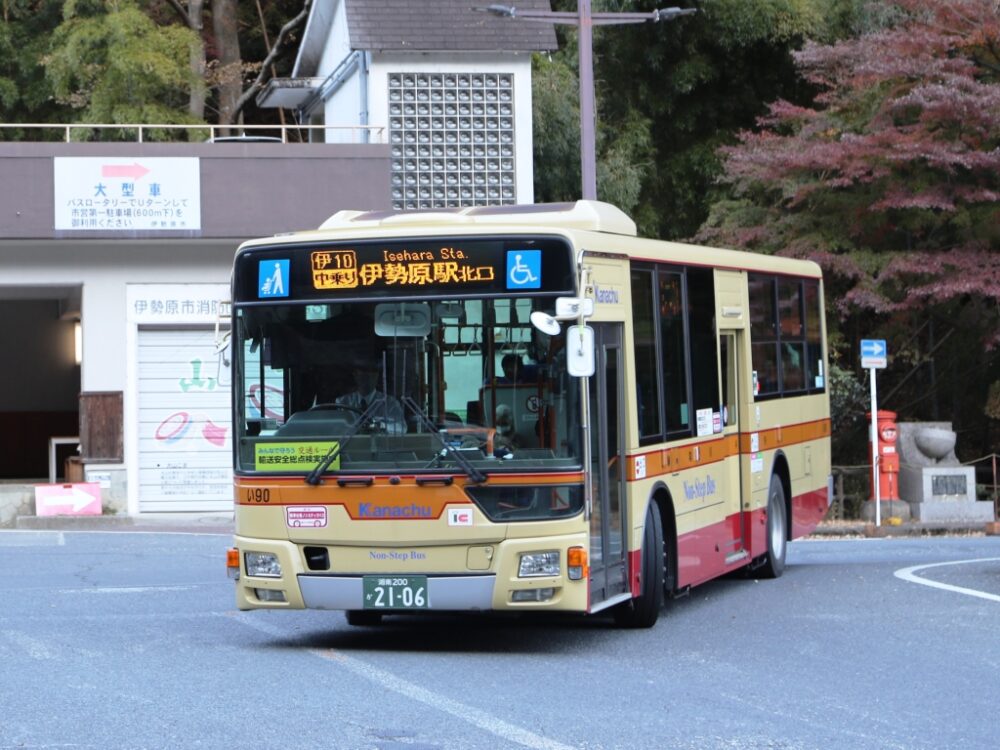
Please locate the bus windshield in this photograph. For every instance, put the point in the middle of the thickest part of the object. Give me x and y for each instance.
(463, 386)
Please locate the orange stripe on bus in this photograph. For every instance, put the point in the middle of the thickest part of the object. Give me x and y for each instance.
(691, 455)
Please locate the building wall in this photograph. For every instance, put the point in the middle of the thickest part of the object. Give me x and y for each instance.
(384, 65)
(246, 190)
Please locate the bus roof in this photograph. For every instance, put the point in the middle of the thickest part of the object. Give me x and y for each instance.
(592, 216)
(603, 222)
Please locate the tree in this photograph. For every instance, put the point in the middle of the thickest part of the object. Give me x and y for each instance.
(109, 62)
(891, 181)
(25, 93)
(668, 95)
(144, 61)
(235, 80)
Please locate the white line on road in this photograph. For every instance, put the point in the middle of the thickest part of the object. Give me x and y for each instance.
(130, 589)
(909, 574)
(389, 681)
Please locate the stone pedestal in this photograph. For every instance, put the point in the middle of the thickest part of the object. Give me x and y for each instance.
(947, 493)
(887, 509)
(931, 479)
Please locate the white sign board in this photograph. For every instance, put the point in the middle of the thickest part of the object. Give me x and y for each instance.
(113, 194)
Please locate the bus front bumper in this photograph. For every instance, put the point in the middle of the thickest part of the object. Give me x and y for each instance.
(279, 579)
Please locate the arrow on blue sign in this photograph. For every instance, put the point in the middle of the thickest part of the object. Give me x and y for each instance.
(873, 348)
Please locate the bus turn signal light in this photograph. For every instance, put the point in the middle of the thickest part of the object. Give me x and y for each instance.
(233, 562)
(576, 563)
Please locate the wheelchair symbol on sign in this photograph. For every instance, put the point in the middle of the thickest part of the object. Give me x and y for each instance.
(520, 274)
(524, 269)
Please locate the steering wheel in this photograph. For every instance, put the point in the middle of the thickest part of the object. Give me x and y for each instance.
(331, 406)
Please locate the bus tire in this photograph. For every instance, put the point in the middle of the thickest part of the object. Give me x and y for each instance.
(363, 617)
(643, 611)
(777, 531)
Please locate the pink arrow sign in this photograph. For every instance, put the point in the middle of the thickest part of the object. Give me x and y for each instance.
(77, 499)
(133, 170)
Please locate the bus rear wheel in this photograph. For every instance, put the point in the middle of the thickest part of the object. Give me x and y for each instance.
(643, 611)
(777, 531)
(363, 617)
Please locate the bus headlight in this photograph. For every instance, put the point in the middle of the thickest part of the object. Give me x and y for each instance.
(535, 564)
(263, 564)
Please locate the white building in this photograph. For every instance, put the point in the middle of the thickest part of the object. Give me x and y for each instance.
(450, 85)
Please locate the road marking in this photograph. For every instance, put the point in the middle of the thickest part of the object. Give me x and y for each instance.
(129, 589)
(36, 648)
(19, 538)
(908, 574)
(389, 681)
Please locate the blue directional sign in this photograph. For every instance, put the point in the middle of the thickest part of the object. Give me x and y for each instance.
(874, 353)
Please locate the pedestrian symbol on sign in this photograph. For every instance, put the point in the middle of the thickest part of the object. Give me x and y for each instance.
(272, 278)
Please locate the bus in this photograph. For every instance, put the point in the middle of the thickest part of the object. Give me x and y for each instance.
(520, 408)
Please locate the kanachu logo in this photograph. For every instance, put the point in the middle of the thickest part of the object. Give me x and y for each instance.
(606, 296)
(370, 510)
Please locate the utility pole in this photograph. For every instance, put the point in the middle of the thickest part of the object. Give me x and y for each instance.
(585, 20)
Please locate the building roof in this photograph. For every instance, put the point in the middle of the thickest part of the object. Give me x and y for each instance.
(444, 25)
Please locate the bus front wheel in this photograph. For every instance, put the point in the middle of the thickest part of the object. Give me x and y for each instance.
(777, 531)
(643, 611)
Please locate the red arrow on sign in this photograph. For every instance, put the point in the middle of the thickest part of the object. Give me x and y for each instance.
(133, 170)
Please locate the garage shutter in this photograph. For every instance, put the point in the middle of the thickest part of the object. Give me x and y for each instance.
(185, 446)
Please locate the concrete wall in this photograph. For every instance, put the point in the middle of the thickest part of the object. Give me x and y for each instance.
(247, 189)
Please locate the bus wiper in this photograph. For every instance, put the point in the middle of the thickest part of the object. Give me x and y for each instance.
(314, 476)
(468, 469)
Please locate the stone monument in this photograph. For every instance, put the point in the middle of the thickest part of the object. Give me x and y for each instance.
(931, 479)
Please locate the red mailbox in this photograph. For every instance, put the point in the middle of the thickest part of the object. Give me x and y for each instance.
(887, 470)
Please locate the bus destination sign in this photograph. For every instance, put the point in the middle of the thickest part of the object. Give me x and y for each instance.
(407, 268)
(340, 269)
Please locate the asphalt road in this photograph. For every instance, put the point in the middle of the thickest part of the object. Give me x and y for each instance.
(130, 640)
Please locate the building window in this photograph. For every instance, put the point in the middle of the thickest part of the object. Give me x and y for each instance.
(451, 137)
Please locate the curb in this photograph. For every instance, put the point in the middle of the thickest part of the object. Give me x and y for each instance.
(183, 523)
(908, 529)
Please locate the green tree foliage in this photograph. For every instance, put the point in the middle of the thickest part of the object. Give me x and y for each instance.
(109, 62)
(142, 61)
(25, 93)
(891, 180)
(669, 95)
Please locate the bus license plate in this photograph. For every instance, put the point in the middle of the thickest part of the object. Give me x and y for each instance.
(395, 592)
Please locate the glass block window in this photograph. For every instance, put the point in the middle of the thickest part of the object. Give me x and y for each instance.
(452, 139)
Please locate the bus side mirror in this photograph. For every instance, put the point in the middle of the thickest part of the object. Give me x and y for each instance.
(580, 351)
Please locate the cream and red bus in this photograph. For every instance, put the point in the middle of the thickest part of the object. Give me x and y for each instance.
(520, 409)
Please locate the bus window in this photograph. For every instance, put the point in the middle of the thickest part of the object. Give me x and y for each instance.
(647, 371)
(701, 323)
(814, 337)
(674, 350)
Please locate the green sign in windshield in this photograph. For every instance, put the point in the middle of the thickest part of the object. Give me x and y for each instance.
(293, 455)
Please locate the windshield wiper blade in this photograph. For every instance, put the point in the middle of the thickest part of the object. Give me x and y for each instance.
(315, 476)
(476, 475)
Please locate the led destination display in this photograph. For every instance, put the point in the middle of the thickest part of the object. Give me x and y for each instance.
(450, 266)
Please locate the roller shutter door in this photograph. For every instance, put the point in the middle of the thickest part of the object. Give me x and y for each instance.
(185, 446)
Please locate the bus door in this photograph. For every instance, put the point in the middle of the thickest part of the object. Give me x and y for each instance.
(608, 554)
(729, 353)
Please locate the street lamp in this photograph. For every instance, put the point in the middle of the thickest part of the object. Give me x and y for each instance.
(585, 20)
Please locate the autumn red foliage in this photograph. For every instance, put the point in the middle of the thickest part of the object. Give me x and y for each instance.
(891, 178)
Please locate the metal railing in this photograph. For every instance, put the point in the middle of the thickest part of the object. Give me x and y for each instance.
(159, 132)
